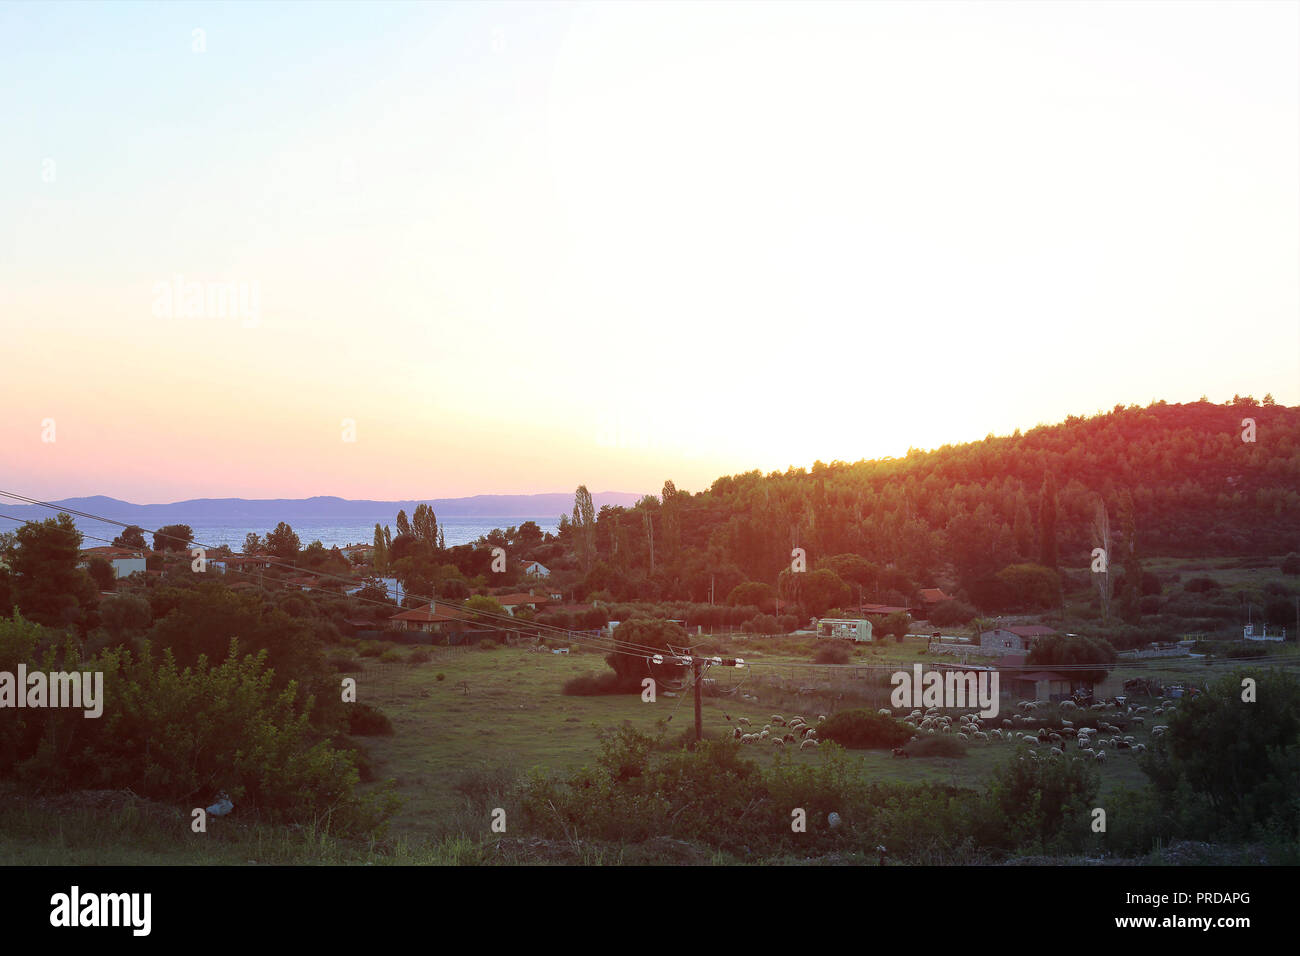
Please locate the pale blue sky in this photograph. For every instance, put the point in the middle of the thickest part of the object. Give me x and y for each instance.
(525, 246)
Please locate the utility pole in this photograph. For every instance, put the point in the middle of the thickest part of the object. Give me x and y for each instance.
(698, 666)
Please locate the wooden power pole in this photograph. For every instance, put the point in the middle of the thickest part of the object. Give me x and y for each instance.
(698, 666)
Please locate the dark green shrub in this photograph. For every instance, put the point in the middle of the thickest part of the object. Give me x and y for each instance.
(595, 685)
(863, 729)
(834, 653)
(366, 720)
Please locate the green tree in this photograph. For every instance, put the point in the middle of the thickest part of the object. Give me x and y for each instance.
(173, 537)
(381, 549)
(403, 523)
(48, 586)
(132, 537)
(124, 614)
(101, 572)
(1057, 650)
(1130, 598)
(252, 543)
(584, 523)
(424, 523)
(1237, 759)
(752, 594)
(283, 543)
(486, 609)
(1047, 505)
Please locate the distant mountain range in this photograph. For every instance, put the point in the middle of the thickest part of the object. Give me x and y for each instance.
(268, 511)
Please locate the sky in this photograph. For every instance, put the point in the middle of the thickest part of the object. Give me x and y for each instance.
(431, 250)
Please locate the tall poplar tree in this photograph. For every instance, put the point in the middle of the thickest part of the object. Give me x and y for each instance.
(1047, 553)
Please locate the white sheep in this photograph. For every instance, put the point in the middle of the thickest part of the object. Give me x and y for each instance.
(980, 735)
(743, 721)
(778, 720)
(884, 712)
(807, 743)
(962, 737)
(1100, 756)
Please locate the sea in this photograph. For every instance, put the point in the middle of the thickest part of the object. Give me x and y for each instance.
(456, 530)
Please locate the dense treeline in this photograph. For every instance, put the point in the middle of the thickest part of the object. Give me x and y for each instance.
(1178, 480)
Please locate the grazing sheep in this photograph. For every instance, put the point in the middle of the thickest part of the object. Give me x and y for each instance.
(1087, 750)
(1138, 720)
(778, 741)
(743, 721)
(899, 752)
(789, 738)
(1122, 744)
(736, 734)
(980, 735)
(1068, 705)
(1100, 756)
(962, 737)
(1006, 723)
(1067, 723)
(885, 712)
(1139, 748)
(767, 728)
(1054, 738)
(821, 718)
(807, 743)
(778, 720)
(765, 734)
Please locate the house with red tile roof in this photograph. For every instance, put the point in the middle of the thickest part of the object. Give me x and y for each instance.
(434, 619)
(512, 602)
(933, 596)
(124, 561)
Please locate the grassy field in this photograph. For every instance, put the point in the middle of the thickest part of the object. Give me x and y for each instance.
(500, 712)
(469, 721)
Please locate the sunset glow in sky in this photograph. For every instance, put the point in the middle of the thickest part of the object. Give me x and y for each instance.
(527, 246)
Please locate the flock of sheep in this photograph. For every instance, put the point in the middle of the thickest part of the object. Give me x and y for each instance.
(796, 730)
(971, 727)
(1091, 743)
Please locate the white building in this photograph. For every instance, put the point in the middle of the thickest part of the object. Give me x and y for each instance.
(123, 561)
(536, 569)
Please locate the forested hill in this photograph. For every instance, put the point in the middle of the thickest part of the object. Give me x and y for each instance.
(961, 512)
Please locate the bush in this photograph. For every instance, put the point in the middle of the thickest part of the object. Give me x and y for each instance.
(391, 656)
(344, 664)
(366, 720)
(863, 729)
(419, 656)
(595, 685)
(832, 654)
(762, 624)
(1201, 585)
(952, 613)
(371, 649)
